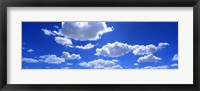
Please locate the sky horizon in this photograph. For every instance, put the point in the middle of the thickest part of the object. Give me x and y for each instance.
(99, 45)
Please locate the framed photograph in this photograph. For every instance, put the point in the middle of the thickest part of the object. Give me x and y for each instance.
(76, 45)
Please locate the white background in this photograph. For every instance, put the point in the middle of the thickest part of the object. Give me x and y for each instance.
(184, 75)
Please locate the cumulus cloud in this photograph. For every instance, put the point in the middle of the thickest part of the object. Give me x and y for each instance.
(47, 67)
(52, 59)
(101, 64)
(63, 41)
(55, 26)
(161, 45)
(48, 32)
(30, 50)
(148, 49)
(85, 30)
(29, 60)
(149, 58)
(136, 64)
(87, 46)
(69, 63)
(156, 67)
(174, 65)
(58, 33)
(115, 49)
(142, 50)
(175, 58)
(68, 56)
(54, 32)
(118, 49)
(67, 42)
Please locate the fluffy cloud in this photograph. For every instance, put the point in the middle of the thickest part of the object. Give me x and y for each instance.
(30, 50)
(29, 60)
(52, 59)
(63, 41)
(148, 49)
(55, 26)
(85, 30)
(58, 33)
(69, 63)
(161, 45)
(115, 49)
(54, 32)
(68, 56)
(88, 46)
(174, 65)
(47, 67)
(136, 64)
(175, 58)
(156, 67)
(67, 42)
(101, 64)
(142, 50)
(149, 58)
(48, 32)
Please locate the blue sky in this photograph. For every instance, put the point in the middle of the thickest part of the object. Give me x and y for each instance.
(99, 45)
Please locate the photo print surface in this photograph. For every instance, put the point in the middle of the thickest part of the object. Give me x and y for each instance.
(100, 45)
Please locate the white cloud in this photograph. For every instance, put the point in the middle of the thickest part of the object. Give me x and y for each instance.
(149, 58)
(52, 59)
(29, 60)
(57, 33)
(142, 50)
(148, 49)
(161, 45)
(67, 42)
(62, 23)
(88, 46)
(63, 41)
(115, 49)
(175, 58)
(156, 67)
(118, 49)
(174, 65)
(84, 30)
(69, 63)
(30, 50)
(136, 64)
(68, 56)
(48, 32)
(55, 26)
(54, 32)
(47, 67)
(101, 64)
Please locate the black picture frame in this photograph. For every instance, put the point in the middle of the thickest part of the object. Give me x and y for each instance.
(100, 3)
